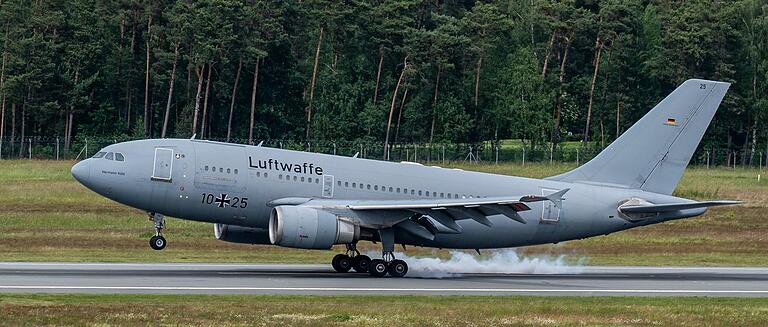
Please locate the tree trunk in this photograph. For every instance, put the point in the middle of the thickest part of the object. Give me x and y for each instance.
(618, 115)
(559, 105)
(200, 72)
(400, 114)
(205, 101)
(599, 48)
(234, 94)
(312, 84)
(170, 90)
(477, 78)
(253, 100)
(392, 108)
(23, 123)
(146, 78)
(548, 54)
(378, 75)
(68, 133)
(434, 105)
(2, 89)
(13, 126)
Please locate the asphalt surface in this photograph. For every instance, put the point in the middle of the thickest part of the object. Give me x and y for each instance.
(320, 279)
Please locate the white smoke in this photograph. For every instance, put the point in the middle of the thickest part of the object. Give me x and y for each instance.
(503, 261)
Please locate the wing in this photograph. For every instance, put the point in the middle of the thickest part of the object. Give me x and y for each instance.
(425, 217)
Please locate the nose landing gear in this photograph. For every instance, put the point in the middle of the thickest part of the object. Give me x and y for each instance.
(157, 242)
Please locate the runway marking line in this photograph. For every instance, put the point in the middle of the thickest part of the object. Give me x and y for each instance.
(343, 289)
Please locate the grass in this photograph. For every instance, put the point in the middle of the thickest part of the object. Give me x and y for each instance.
(46, 216)
(237, 310)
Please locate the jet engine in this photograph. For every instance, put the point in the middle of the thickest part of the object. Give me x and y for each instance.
(307, 228)
(240, 234)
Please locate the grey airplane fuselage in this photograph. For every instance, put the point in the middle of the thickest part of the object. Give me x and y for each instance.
(233, 184)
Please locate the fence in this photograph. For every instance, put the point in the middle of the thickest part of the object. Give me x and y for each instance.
(53, 148)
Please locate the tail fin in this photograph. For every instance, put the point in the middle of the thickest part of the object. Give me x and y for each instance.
(653, 153)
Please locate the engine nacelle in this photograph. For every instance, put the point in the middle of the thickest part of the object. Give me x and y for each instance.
(307, 228)
(240, 234)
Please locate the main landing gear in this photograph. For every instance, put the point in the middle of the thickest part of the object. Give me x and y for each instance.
(157, 242)
(376, 267)
(352, 259)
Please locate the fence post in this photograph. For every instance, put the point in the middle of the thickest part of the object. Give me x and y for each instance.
(334, 148)
(523, 155)
(30, 148)
(760, 165)
(1, 148)
(707, 159)
(551, 149)
(57, 148)
(734, 160)
(443, 146)
(415, 149)
(577, 157)
(497, 154)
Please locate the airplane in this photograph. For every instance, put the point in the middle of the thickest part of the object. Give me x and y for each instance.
(261, 195)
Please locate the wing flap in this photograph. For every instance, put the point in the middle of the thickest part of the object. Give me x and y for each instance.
(667, 207)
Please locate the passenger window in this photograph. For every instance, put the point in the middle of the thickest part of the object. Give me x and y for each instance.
(221, 170)
(258, 173)
(302, 178)
(346, 184)
(412, 192)
(455, 196)
(99, 155)
(317, 181)
(119, 156)
(442, 195)
(369, 186)
(337, 183)
(206, 168)
(309, 180)
(280, 176)
(449, 195)
(229, 170)
(390, 189)
(294, 178)
(354, 184)
(265, 175)
(419, 192)
(375, 188)
(361, 186)
(434, 194)
(235, 171)
(213, 169)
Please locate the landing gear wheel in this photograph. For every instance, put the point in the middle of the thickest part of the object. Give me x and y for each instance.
(397, 268)
(378, 268)
(157, 242)
(341, 263)
(361, 263)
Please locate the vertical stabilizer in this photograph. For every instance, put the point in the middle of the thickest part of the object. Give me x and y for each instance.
(653, 153)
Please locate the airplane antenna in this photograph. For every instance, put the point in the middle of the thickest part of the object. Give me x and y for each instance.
(193, 136)
(356, 154)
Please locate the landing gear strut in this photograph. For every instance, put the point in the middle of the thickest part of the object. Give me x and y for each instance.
(388, 263)
(352, 259)
(157, 242)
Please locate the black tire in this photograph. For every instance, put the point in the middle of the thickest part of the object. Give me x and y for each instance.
(378, 268)
(361, 263)
(397, 268)
(341, 263)
(157, 242)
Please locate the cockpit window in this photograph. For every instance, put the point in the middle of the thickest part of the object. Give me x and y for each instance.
(119, 156)
(110, 156)
(99, 155)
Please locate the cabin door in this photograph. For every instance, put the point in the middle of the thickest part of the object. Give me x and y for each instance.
(163, 165)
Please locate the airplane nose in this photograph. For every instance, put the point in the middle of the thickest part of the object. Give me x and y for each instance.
(81, 171)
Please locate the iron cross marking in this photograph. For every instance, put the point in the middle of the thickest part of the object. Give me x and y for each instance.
(222, 200)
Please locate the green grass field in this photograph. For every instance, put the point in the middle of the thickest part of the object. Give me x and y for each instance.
(172, 310)
(46, 216)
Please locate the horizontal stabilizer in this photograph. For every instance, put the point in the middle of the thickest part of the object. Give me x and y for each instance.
(656, 208)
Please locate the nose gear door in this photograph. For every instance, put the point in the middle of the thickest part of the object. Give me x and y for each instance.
(163, 165)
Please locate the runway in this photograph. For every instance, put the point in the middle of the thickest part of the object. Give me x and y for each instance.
(321, 279)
